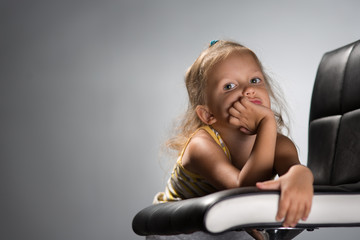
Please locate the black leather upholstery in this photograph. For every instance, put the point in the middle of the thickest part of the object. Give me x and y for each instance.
(181, 216)
(334, 127)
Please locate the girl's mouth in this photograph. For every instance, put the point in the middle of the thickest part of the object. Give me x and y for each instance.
(255, 101)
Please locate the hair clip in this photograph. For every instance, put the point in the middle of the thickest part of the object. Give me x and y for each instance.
(213, 42)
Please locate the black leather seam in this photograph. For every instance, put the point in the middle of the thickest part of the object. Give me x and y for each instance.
(344, 78)
(341, 111)
(335, 151)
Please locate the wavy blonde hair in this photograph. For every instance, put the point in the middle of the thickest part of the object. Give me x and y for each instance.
(196, 80)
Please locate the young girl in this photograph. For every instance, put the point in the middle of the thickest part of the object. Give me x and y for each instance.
(230, 136)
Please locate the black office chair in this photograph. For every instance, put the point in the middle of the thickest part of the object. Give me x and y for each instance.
(333, 157)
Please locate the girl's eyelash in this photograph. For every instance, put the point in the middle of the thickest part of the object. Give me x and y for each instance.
(258, 80)
(230, 86)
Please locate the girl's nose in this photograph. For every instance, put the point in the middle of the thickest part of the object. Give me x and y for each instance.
(249, 92)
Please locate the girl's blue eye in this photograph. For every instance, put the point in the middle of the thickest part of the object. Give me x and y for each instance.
(255, 80)
(229, 86)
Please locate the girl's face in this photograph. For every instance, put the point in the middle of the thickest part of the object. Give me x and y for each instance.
(237, 76)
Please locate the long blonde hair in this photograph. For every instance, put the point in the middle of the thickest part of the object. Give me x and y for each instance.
(196, 81)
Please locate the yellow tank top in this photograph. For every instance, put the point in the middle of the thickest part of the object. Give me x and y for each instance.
(184, 184)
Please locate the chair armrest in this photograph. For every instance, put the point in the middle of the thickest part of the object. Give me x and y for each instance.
(248, 207)
(184, 216)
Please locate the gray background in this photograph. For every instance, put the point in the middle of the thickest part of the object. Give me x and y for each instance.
(89, 90)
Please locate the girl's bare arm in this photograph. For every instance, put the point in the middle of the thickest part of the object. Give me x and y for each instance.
(204, 157)
(295, 183)
(260, 120)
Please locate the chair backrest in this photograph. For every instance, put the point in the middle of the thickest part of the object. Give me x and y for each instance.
(334, 126)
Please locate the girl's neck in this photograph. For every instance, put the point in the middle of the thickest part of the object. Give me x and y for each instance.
(239, 144)
(233, 135)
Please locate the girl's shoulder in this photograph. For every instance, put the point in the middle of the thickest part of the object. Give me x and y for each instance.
(202, 141)
(200, 149)
(286, 154)
(284, 141)
(203, 138)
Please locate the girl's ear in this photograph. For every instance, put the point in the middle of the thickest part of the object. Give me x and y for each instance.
(205, 115)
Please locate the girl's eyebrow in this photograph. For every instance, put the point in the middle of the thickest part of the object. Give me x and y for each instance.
(225, 80)
(258, 71)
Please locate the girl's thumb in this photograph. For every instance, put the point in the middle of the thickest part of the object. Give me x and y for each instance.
(269, 185)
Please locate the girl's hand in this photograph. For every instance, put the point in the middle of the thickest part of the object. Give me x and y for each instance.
(296, 188)
(247, 115)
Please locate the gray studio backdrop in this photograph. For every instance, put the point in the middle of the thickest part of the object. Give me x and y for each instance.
(89, 89)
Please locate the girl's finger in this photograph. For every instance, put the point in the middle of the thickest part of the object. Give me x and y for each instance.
(290, 218)
(238, 106)
(234, 121)
(306, 211)
(269, 185)
(244, 100)
(283, 208)
(299, 215)
(233, 112)
(245, 130)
